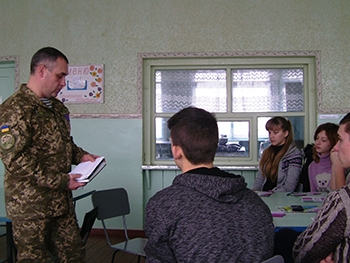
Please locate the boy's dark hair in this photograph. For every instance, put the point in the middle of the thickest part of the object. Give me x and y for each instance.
(346, 121)
(47, 56)
(196, 132)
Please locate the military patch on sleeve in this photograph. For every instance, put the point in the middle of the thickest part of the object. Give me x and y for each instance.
(5, 128)
(6, 140)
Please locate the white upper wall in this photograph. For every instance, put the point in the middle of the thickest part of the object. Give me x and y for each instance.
(113, 32)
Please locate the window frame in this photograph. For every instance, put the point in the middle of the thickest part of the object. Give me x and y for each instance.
(149, 62)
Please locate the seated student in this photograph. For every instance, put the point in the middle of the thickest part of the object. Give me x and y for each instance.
(327, 239)
(320, 170)
(281, 162)
(206, 215)
(324, 173)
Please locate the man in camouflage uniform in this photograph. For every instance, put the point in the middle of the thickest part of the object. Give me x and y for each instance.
(37, 151)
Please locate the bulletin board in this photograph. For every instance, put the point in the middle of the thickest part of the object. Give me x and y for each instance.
(84, 84)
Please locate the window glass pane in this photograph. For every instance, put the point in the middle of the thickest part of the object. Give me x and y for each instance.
(263, 135)
(178, 89)
(163, 145)
(278, 90)
(234, 139)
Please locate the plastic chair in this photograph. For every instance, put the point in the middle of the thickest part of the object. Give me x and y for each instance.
(114, 203)
(274, 259)
(88, 223)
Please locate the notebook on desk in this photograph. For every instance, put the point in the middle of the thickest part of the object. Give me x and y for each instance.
(264, 193)
(304, 193)
(306, 209)
(314, 199)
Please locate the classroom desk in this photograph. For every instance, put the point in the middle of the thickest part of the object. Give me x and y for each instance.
(298, 221)
(77, 195)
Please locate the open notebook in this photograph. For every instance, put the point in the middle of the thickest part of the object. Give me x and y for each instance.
(89, 170)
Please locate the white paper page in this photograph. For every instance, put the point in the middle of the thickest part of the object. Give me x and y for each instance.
(86, 168)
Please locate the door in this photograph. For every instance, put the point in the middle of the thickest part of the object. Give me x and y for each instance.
(7, 79)
(7, 88)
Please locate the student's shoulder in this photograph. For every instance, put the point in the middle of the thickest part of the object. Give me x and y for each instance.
(295, 149)
(253, 204)
(343, 192)
(252, 197)
(166, 194)
(312, 164)
(293, 152)
(338, 199)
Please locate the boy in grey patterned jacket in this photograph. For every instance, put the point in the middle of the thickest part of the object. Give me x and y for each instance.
(206, 215)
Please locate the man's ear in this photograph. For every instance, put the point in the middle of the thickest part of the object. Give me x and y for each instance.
(177, 151)
(41, 70)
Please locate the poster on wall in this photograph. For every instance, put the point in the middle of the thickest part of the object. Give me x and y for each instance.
(84, 84)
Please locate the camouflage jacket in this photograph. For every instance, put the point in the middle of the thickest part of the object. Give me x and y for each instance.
(37, 152)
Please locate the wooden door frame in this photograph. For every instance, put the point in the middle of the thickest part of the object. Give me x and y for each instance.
(16, 60)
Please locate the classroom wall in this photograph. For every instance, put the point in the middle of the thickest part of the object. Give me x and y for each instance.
(114, 32)
(120, 142)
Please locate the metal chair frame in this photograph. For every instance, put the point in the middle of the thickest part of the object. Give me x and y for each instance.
(114, 203)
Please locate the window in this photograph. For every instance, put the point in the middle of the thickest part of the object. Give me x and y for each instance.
(242, 92)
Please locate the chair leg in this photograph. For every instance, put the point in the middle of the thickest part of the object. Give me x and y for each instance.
(138, 259)
(115, 252)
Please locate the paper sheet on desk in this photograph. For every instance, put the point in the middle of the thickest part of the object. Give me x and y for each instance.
(307, 209)
(304, 194)
(312, 199)
(264, 193)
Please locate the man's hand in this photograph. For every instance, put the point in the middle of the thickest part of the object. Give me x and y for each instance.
(328, 259)
(73, 184)
(89, 157)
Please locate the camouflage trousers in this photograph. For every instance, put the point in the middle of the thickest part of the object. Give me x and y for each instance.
(48, 240)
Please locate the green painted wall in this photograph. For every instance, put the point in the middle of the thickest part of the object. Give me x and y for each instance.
(114, 32)
(120, 141)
